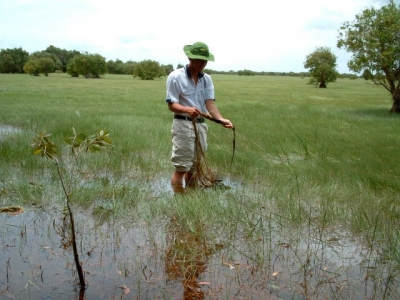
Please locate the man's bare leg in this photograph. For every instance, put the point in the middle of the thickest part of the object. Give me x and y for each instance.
(177, 182)
(189, 180)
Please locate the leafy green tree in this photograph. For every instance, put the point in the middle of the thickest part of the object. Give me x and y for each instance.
(129, 67)
(63, 55)
(179, 66)
(168, 68)
(115, 67)
(88, 65)
(13, 60)
(322, 67)
(119, 66)
(367, 74)
(373, 38)
(46, 65)
(110, 66)
(79, 65)
(20, 58)
(57, 64)
(148, 70)
(32, 67)
(35, 66)
(245, 73)
(97, 65)
(72, 68)
(6, 62)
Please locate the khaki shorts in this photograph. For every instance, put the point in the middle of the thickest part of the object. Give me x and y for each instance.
(183, 144)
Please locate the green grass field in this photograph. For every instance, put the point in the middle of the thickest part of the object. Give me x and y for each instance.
(307, 159)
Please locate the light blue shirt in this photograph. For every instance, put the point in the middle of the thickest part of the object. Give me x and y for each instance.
(182, 89)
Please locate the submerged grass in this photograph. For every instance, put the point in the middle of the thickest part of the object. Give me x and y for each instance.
(315, 175)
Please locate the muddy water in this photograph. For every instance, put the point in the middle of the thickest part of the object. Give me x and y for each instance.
(37, 259)
(135, 260)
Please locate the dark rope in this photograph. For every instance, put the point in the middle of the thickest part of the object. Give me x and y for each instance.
(209, 117)
(204, 175)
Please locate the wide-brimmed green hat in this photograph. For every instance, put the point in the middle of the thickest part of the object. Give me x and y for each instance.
(198, 50)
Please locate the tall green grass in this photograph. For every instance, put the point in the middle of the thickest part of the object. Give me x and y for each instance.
(298, 140)
(304, 156)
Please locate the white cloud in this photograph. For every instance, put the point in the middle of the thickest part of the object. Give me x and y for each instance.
(254, 34)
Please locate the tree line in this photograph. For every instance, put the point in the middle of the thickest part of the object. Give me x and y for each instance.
(75, 63)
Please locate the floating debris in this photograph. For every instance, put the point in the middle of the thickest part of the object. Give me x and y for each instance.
(12, 209)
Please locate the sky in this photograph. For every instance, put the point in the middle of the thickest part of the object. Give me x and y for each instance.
(257, 35)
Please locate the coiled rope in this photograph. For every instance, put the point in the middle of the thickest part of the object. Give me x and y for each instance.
(204, 175)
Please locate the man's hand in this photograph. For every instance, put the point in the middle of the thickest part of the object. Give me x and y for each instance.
(226, 123)
(193, 112)
(175, 107)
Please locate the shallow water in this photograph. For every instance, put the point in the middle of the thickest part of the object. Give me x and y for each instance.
(37, 256)
(135, 260)
(6, 130)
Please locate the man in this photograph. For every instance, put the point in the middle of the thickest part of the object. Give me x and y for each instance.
(190, 92)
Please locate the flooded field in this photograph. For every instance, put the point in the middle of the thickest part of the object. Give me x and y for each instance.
(132, 259)
(309, 210)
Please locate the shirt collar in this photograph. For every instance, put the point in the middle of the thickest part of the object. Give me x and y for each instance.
(201, 74)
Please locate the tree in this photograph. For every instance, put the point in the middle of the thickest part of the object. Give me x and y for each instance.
(129, 67)
(46, 65)
(72, 68)
(35, 66)
(167, 68)
(13, 60)
(6, 62)
(148, 70)
(322, 67)
(115, 67)
(97, 65)
(374, 40)
(245, 73)
(119, 66)
(110, 66)
(367, 74)
(79, 65)
(63, 55)
(88, 65)
(31, 67)
(57, 64)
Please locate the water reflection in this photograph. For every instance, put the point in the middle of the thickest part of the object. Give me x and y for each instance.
(185, 260)
(123, 259)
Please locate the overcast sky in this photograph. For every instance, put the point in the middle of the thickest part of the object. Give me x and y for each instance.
(258, 35)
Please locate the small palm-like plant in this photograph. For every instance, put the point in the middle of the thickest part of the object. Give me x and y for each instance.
(79, 144)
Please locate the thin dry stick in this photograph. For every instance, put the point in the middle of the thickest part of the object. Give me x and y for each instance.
(74, 246)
